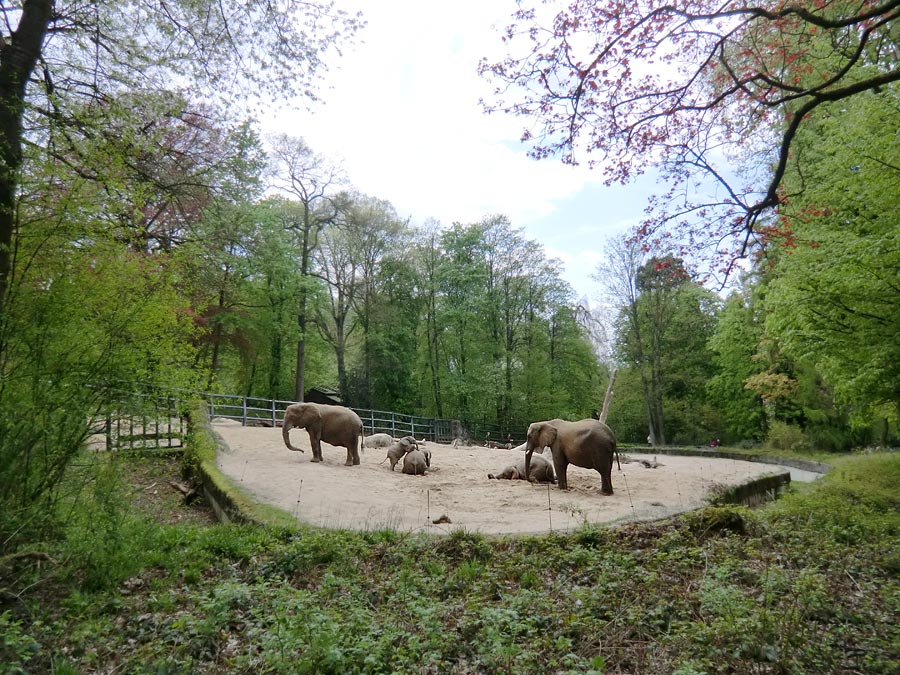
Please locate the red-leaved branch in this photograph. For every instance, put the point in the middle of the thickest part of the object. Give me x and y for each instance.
(710, 94)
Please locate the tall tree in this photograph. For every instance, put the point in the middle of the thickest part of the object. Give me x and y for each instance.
(686, 87)
(665, 321)
(739, 332)
(833, 297)
(379, 239)
(275, 295)
(313, 182)
(429, 260)
(214, 247)
(463, 278)
(620, 273)
(337, 264)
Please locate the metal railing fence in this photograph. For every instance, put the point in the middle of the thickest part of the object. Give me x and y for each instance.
(266, 412)
(148, 419)
(143, 421)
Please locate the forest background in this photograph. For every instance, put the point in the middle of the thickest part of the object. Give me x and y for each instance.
(150, 238)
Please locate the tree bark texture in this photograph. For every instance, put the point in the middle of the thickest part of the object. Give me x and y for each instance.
(18, 58)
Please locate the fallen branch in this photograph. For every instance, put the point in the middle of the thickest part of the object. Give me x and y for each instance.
(188, 493)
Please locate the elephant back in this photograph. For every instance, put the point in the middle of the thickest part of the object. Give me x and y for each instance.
(339, 423)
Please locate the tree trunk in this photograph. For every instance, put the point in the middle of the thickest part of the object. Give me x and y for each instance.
(434, 354)
(305, 253)
(301, 350)
(18, 58)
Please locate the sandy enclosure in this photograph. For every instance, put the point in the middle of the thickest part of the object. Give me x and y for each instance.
(370, 496)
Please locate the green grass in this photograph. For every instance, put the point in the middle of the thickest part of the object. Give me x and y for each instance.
(808, 584)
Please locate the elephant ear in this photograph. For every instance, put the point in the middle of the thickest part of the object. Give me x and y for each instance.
(547, 436)
(307, 416)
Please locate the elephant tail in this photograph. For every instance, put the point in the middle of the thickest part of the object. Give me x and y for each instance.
(616, 451)
(285, 435)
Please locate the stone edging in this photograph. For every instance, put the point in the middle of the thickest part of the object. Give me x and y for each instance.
(793, 462)
(753, 491)
(229, 502)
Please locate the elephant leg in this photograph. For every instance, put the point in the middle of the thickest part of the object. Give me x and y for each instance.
(560, 463)
(316, 444)
(606, 478)
(354, 450)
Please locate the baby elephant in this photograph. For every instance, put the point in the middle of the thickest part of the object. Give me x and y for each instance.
(414, 463)
(398, 449)
(541, 471)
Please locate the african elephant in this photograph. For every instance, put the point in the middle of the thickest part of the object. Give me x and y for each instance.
(397, 449)
(333, 424)
(587, 443)
(414, 463)
(541, 470)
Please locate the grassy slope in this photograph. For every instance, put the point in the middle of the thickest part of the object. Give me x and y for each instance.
(806, 585)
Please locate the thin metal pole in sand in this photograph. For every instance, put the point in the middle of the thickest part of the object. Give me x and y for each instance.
(428, 509)
(549, 509)
(678, 488)
(628, 490)
(245, 470)
(297, 507)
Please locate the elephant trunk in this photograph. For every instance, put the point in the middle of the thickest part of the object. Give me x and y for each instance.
(285, 434)
(529, 449)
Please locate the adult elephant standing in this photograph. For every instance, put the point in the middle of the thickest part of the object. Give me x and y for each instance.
(586, 443)
(333, 424)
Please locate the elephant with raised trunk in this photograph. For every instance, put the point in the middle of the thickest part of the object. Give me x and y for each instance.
(586, 443)
(333, 424)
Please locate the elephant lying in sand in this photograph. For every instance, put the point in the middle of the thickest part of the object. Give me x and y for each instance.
(541, 471)
(378, 441)
(397, 449)
(414, 463)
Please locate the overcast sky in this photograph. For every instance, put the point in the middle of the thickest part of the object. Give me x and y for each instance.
(401, 113)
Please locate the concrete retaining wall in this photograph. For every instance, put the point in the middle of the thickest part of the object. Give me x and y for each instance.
(754, 491)
(229, 502)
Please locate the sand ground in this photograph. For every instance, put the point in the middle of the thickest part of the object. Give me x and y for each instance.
(370, 496)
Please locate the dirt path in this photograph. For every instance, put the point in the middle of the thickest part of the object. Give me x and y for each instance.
(370, 496)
